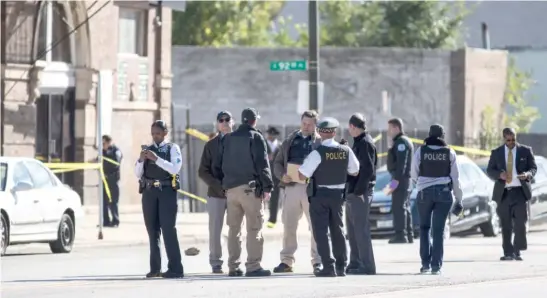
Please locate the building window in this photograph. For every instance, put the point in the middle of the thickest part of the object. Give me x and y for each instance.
(132, 31)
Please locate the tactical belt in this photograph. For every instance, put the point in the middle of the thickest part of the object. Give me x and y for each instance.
(150, 183)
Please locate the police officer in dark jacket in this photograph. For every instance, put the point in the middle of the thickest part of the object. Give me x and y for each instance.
(328, 167)
(399, 158)
(435, 171)
(111, 155)
(360, 190)
(157, 168)
(246, 177)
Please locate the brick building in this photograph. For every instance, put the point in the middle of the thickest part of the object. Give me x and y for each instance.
(49, 97)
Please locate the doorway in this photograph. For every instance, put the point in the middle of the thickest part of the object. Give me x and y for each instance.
(55, 130)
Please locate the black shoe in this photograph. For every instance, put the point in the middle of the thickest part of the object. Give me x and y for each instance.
(171, 274)
(507, 258)
(326, 272)
(397, 240)
(518, 257)
(282, 268)
(153, 274)
(235, 273)
(410, 239)
(425, 270)
(340, 271)
(436, 271)
(316, 268)
(258, 273)
(360, 271)
(217, 270)
(352, 266)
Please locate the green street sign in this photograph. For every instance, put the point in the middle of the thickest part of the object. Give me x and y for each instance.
(296, 65)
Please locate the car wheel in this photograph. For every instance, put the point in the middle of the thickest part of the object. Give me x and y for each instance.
(491, 228)
(65, 236)
(5, 235)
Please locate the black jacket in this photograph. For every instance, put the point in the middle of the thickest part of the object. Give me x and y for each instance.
(243, 158)
(205, 172)
(365, 151)
(399, 158)
(525, 163)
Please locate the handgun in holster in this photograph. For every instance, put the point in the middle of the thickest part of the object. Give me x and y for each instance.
(311, 189)
(142, 185)
(256, 187)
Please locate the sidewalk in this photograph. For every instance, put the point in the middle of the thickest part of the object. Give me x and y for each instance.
(192, 229)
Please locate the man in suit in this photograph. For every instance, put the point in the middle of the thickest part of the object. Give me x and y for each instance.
(512, 166)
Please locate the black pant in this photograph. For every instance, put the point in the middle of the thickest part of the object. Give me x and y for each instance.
(159, 208)
(111, 203)
(274, 201)
(512, 211)
(402, 218)
(358, 225)
(326, 214)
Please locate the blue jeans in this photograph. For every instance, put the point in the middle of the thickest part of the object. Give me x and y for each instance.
(434, 204)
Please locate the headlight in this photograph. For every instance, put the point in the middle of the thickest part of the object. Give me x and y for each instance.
(385, 209)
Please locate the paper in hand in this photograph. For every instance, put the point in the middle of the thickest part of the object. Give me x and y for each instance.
(391, 187)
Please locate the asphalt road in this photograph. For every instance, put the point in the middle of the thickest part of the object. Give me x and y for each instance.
(472, 269)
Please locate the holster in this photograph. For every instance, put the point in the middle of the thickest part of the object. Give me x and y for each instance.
(311, 189)
(256, 187)
(142, 186)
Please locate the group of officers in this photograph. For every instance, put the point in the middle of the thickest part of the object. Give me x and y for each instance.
(237, 165)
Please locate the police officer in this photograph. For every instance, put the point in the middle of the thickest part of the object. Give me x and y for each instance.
(435, 171)
(399, 158)
(328, 166)
(360, 190)
(111, 153)
(157, 168)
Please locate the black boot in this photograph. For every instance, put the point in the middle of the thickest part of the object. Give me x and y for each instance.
(326, 272)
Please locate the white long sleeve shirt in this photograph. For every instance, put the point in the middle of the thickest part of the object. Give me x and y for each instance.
(172, 166)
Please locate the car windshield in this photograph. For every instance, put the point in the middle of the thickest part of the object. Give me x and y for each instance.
(382, 179)
(3, 176)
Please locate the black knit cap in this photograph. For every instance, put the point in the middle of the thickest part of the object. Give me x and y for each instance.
(327, 125)
(273, 131)
(436, 131)
(358, 120)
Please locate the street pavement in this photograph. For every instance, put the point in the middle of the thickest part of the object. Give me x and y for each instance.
(471, 269)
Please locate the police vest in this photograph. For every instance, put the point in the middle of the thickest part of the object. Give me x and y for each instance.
(108, 167)
(300, 148)
(151, 169)
(333, 169)
(435, 163)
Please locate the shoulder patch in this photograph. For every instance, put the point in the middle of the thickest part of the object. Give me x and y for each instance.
(401, 147)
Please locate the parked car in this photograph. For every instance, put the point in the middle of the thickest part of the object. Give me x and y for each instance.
(537, 207)
(35, 206)
(479, 209)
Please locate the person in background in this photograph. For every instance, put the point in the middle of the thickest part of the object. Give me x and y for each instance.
(216, 202)
(273, 145)
(294, 149)
(399, 158)
(437, 177)
(513, 167)
(157, 169)
(111, 155)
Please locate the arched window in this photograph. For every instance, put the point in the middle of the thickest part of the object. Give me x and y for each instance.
(53, 27)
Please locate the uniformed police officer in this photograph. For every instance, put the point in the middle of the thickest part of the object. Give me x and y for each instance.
(435, 171)
(157, 168)
(112, 177)
(399, 158)
(328, 166)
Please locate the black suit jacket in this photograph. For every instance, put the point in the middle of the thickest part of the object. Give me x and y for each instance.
(524, 163)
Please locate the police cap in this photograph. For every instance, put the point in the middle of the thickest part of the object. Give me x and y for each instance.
(436, 131)
(327, 125)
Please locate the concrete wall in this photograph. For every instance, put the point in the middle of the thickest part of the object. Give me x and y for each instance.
(424, 86)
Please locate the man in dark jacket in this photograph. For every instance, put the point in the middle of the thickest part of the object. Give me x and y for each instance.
(273, 145)
(216, 202)
(360, 190)
(246, 177)
(111, 154)
(399, 159)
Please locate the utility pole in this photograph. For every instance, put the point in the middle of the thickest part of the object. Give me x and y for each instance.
(157, 53)
(313, 54)
(3, 38)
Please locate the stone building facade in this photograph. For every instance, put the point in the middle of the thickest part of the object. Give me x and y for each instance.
(59, 58)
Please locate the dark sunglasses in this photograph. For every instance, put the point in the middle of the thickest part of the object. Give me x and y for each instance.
(222, 120)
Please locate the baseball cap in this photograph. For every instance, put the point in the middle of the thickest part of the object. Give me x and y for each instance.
(223, 114)
(249, 114)
(436, 131)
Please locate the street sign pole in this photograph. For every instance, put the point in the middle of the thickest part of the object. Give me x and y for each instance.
(313, 52)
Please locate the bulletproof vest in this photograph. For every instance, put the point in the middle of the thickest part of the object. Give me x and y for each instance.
(108, 167)
(434, 163)
(333, 169)
(151, 169)
(300, 148)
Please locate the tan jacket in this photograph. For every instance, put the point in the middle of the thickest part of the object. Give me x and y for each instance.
(280, 161)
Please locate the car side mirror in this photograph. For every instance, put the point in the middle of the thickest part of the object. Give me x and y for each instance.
(22, 186)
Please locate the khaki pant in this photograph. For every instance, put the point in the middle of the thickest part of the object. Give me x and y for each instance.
(295, 203)
(244, 204)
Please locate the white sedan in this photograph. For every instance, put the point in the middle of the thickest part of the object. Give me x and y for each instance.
(35, 206)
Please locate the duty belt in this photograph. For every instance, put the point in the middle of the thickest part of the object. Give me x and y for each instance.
(151, 183)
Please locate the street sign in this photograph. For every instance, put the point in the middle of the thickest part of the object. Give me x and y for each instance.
(295, 65)
(303, 100)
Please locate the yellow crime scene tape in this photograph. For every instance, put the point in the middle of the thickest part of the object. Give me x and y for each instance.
(466, 150)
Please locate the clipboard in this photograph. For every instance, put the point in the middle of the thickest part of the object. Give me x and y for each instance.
(292, 171)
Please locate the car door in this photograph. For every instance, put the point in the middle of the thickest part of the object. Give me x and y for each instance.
(50, 197)
(470, 200)
(26, 219)
(538, 204)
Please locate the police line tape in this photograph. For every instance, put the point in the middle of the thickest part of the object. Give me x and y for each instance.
(472, 151)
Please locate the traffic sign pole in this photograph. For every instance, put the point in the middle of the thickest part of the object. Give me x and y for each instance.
(313, 52)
